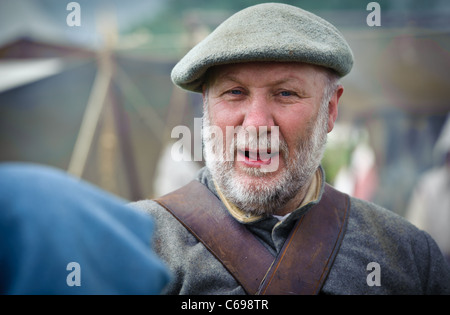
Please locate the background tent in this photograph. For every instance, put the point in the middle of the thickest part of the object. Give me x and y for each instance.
(48, 85)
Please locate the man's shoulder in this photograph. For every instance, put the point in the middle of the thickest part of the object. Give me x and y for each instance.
(163, 218)
(184, 253)
(385, 229)
(170, 236)
(149, 206)
(409, 259)
(366, 212)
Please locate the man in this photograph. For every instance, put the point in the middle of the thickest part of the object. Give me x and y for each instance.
(269, 76)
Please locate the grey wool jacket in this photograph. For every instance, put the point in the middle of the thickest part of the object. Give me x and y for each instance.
(407, 260)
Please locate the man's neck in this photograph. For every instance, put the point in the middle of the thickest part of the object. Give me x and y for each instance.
(294, 203)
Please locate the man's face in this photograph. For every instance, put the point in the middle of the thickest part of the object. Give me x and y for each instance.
(282, 97)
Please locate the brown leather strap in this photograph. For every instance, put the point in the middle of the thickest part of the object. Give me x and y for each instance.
(202, 213)
(308, 253)
(304, 261)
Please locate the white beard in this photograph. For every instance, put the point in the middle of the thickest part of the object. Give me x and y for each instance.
(265, 194)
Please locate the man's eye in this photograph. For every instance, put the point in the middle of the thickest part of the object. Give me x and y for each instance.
(286, 93)
(235, 92)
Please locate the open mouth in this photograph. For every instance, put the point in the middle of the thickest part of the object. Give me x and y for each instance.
(256, 158)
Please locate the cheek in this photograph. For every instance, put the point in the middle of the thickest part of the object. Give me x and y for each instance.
(222, 121)
(223, 117)
(297, 132)
(219, 112)
(294, 128)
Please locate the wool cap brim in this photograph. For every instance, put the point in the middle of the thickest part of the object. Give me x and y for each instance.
(266, 32)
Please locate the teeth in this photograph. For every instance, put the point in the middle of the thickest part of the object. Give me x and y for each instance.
(252, 155)
(255, 156)
(266, 156)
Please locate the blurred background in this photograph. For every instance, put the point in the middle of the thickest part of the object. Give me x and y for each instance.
(97, 99)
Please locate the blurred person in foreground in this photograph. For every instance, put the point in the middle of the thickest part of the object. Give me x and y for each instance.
(243, 227)
(60, 235)
(429, 207)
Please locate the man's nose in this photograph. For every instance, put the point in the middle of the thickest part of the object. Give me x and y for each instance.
(258, 113)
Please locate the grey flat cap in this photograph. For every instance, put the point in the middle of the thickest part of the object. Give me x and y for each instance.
(266, 32)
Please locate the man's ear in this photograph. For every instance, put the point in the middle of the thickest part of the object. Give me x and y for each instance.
(333, 107)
